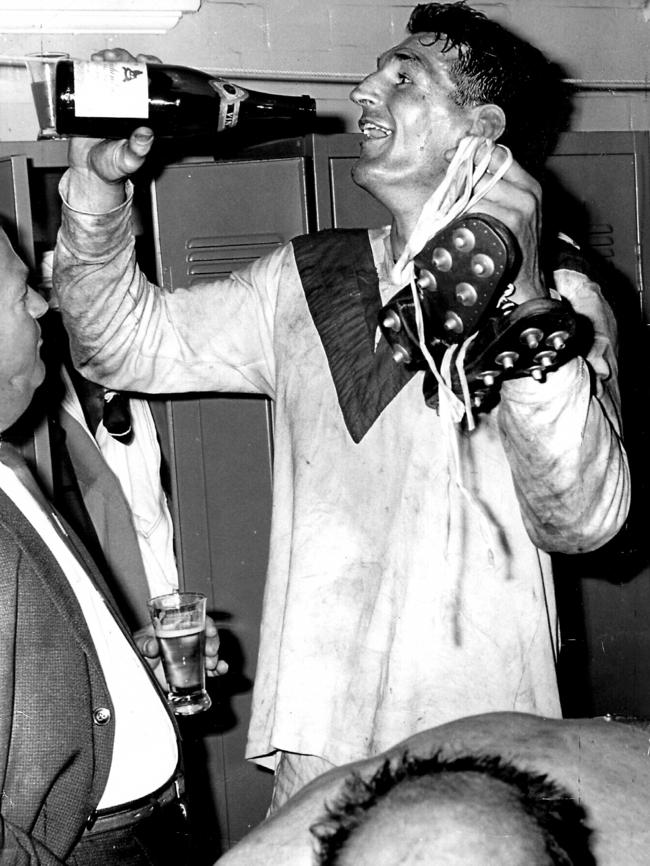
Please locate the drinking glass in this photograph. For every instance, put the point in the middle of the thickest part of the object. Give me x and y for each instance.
(42, 69)
(179, 625)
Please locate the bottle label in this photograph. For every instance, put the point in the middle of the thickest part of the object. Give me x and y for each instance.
(230, 98)
(104, 89)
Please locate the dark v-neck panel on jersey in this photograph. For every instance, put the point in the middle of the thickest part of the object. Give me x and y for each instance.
(341, 286)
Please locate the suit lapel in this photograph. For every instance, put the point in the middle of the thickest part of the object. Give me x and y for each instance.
(57, 587)
(47, 569)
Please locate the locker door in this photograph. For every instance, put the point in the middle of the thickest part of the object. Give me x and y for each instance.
(606, 597)
(209, 218)
(604, 174)
(15, 208)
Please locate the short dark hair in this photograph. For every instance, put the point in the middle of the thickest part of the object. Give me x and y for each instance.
(495, 66)
(560, 820)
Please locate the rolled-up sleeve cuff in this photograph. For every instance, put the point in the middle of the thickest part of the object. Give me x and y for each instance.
(566, 378)
(95, 237)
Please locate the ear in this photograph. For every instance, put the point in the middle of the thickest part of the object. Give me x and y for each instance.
(489, 121)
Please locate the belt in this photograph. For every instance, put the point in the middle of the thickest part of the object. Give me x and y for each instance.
(117, 817)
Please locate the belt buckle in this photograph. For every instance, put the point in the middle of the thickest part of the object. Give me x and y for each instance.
(146, 811)
(179, 786)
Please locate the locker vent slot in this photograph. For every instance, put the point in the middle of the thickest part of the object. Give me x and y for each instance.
(219, 255)
(601, 238)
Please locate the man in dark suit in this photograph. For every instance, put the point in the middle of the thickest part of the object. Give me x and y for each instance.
(89, 751)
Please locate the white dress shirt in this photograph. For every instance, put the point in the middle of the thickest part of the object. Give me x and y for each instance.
(145, 752)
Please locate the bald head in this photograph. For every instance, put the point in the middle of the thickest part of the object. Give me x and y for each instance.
(470, 820)
(465, 812)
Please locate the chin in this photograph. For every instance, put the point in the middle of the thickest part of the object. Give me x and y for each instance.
(364, 174)
(20, 398)
(10, 415)
(38, 376)
(378, 184)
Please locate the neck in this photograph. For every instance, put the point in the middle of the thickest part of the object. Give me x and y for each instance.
(401, 230)
(405, 218)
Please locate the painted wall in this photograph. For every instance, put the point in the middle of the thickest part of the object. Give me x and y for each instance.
(331, 45)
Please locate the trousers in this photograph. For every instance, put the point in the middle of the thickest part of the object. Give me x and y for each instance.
(162, 838)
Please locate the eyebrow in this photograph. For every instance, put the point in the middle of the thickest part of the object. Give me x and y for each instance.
(401, 55)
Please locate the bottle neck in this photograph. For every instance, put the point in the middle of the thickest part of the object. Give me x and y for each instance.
(239, 103)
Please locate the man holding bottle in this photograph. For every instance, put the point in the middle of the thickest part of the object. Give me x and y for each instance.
(409, 580)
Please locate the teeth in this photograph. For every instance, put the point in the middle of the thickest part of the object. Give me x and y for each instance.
(370, 130)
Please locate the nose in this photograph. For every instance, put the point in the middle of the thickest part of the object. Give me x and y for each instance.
(37, 305)
(366, 92)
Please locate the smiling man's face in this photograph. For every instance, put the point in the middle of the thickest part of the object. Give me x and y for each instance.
(409, 121)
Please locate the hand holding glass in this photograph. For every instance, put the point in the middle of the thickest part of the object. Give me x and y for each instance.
(179, 626)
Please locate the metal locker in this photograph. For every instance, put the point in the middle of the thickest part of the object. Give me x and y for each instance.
(209, 218)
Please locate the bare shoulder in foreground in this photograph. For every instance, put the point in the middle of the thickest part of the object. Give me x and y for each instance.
(600, 767)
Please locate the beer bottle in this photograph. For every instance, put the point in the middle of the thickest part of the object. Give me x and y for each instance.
(110, 99)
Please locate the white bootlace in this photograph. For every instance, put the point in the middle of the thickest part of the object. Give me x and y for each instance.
(452, 198)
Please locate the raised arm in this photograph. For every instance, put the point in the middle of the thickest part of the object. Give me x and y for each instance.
(563, 436)
(128, 333)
